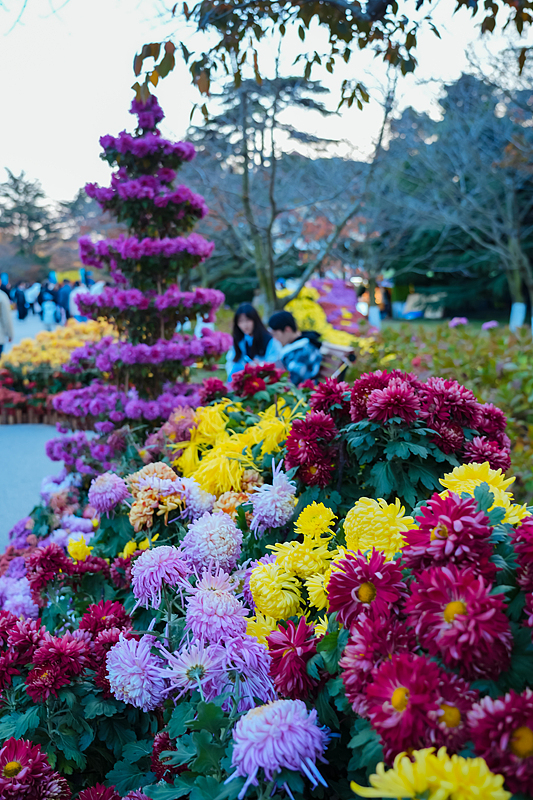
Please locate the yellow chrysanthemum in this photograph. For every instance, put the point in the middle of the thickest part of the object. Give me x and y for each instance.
(261, 626)
(132, 546)
(302, 558)
(316, 589)
(276, 594)
(49, 350)
(271, 431)
(221, 470)
(321, 627)
(78, 549)
(376, 523)
(315, 520)
(466, 477)
(442, 777)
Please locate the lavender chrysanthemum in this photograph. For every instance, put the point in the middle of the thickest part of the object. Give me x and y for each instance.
(213, 611)
(273, 505)
(246, 673)
(279, 735)
(196, 665)
(213, 540)
(197, 500)
(152, 569)
(106, 492)
(134, 674)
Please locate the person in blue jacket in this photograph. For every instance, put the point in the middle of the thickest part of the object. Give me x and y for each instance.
(251, 341)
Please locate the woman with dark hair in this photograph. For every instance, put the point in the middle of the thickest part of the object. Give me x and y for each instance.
(251, 341)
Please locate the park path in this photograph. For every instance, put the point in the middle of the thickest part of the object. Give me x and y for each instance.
(23, 465)
(24, 329)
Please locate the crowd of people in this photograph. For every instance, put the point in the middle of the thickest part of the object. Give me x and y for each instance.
(283, 343)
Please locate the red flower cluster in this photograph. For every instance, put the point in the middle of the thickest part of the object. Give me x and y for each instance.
(522, 538)
(444, 405)
(55, 663)
(104, 615)
(162, 770)
(99, 792)
(212, 389)
(291, 648)
(332, 397)
(254, 378)
(19, 638)
(25, 773)
(311, 447)
(44, 565)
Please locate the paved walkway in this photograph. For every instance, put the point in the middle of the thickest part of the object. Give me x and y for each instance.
(23, 465)
(24, 329)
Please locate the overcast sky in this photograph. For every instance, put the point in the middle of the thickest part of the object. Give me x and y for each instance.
(66, 79)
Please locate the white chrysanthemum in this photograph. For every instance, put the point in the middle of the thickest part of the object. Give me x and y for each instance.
(213, 540)
(273, 505)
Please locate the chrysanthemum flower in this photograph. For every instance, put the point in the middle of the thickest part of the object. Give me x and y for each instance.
(502, 731)
(246, 673)
(466, 477)
(375, 523)
(78, 549)
(25, 636)
(106, 492)
(362, 388)
(291, 648)
(103, 615)
(357, 584)
(134, 674)
(302, 558)
(157, 470)
(522, 538)
(44, 682)
(316, 589)
(161, 769)
(397, 399)
(442, 776)
(212, 389)
(273, 505)
(43, 565)
(402, 701)
(455, 699)
(99, 792)
(332, 397)
(155, 567)
(214, 539)
(25, 773)
(319, 472)
(307, 443)
(197, 501)
(480, 449)
(261, 626)
(275, 592)
(443, 399)
(449, 436)
(492, 420)
(193, 666)
(314, 521)
(455, 616)
(451, 531)
(373, 639)
(213, 611)
(279, 735)
(66, 652)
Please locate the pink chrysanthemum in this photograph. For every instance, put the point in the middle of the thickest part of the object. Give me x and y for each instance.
(25, 773)
(449, 436)
(67, 652)
(25, 636)
(246, 673)
(442, 400)
(481, 449)
(308, 439)
(332, 397)
(273, 505)
(134, 673)
(213, 612)
(397, 399)
(104, 615)
(361, 390)
(358, 585)
(43, 565)
(318, 473)
(44, 682)
(212, 389)
(402, 700)
(492, 421)
(502, 732)
(155, 567)
(137, 795)
(451, 531)
(455, 699)
(99, 792)
(106, 492)
(215, 540)
(455, 616)
(522, 537)
(290, 648)
(373, 639)
(279, 735)
(193, 666)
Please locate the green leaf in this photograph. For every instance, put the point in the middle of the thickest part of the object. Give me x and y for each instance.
(8, 725)
(97, 707)
(181, 718)
(115, 734)
(166, 792)
(185, 752)
(205, 788)
(27, 722)
(126, 777)
(136, 750)
(484, 497)
(209, 753)
(209, 717)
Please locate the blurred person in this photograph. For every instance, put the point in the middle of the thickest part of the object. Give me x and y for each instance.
(6, 321)
(63, 297)
(77, 289)
(20, 300)
(49, 311)
(300, 354)
(251, 341)
(32, 295)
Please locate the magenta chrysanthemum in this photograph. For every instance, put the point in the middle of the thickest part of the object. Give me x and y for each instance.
(273, 505)
(155, 567)
(134, 673)
(99, 792)
(373, 639)
(358, 585)
(213, 612)
(279, 735)
(290, 648)
(455, 616)
(361, 390)
(332, 397)
(444, 399)
(213, 540)
(522, 537)
(397, 399)
(402, 698)
(106, 492)
(104, 615)
(25, 773)
(455, 699)
(481, 449)
(502, 732)
(451, 531)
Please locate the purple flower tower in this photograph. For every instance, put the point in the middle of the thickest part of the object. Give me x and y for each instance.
(145, 371)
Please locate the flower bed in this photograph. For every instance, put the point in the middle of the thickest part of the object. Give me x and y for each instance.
(209, 618)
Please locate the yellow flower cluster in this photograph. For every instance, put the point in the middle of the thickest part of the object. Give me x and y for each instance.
(310, 316)
(466, 477)
(148, 500)
(52, 349)
(435, 776)
(277, 587)
(375, 523)
(219, 459)
(78, 549)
